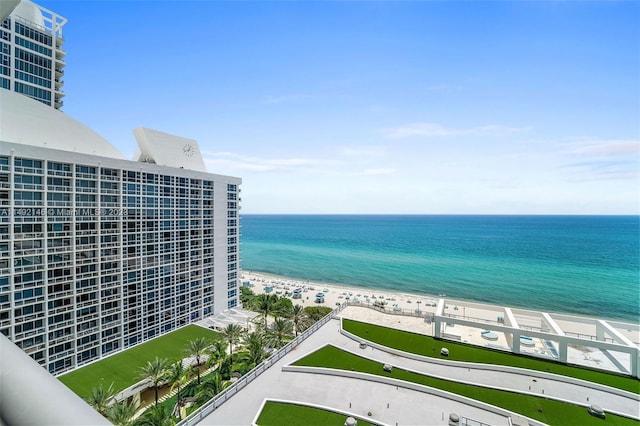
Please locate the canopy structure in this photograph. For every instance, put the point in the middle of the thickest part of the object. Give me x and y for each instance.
(229, 316)
(167, 150)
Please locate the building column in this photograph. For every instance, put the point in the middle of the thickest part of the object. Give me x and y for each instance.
(599, 331)
(562, 351)
(437, 332)
(515, 345)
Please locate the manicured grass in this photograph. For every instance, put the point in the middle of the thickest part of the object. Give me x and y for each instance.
(428, 346)
(123, 369)
(544, 410)
(280, 413)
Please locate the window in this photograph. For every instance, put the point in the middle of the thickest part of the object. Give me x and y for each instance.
(38, 36)
(27, 180)
(27, 196)
(33, 46)
(41, 95)
(85, 183)
(24, 162)
(88, 170)
(58, 182)
(27, 228)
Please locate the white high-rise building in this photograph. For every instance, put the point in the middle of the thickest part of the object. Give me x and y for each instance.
(99, 253)
(31, 54)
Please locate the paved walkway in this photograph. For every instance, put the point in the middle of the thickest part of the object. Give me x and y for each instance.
(404, 406)
(509, 381)
(358, 397)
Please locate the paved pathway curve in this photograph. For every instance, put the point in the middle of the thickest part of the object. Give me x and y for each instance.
(404, 406)
(509, 381)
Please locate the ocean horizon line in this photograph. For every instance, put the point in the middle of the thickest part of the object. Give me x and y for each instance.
(637, 215)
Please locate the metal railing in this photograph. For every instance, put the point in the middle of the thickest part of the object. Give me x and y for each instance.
(418, 313)
(198, 415)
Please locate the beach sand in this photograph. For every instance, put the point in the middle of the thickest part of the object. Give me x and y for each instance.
(335, 295)
(416, 307)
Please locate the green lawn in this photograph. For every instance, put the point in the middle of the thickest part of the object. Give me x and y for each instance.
(544, 410)
(123, 369)
(280, 413)
(428, 346)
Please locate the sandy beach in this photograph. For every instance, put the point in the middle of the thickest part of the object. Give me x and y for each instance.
(335, 295)
(415, 307)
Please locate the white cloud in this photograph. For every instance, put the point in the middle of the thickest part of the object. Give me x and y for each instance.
(430, 130)
(232, 161)
(377, 172)
(603, 160)
(345, 161)
(602, 170)
(607, 147)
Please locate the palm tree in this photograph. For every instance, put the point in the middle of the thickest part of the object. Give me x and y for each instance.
(196, 348)
(266, 304)
(210, 387)
(158, 415)
(121, 413)
(283, 308)
(100, 398)
(155, 371)
(254, 344)
(225, 368)
(217, 352)
(301, 320)
(247, 297)
(279, 331)
(178, 376)
(232, 333)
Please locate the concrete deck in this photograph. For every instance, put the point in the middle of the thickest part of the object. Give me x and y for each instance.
(404, 406)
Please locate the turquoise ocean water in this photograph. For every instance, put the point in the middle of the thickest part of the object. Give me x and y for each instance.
(587, 265)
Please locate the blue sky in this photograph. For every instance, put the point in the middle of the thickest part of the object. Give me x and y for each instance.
(376, 107)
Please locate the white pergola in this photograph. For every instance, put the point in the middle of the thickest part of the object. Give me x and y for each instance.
(607, 336)
(229, 316)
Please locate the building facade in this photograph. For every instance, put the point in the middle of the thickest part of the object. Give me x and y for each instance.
(99, 253)
(31, 54)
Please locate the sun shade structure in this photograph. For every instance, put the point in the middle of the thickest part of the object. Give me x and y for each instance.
(229, 316)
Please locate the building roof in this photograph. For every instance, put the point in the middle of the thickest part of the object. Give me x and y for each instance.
(29, 11)
(6, 7)
(29, 122)
(35, 15)
(167, 150)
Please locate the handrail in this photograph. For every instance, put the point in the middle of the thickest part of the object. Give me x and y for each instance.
(198, 415)
(418, 313)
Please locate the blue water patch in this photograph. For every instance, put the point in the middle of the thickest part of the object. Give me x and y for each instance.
(578, 264)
